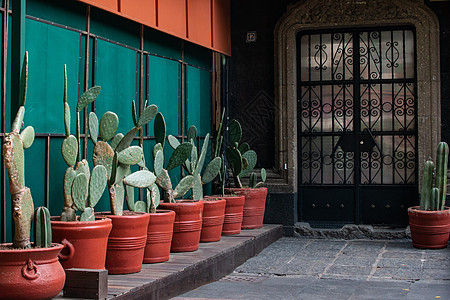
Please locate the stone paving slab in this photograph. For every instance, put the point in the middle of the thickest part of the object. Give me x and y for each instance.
(309, 268)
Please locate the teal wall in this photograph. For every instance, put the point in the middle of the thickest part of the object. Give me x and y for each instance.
(176, 75)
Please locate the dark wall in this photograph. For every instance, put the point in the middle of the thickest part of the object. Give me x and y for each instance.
(251, 89)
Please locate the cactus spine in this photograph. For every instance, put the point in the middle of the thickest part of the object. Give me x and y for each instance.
(42, 227)
(13, 155)
(433, 198)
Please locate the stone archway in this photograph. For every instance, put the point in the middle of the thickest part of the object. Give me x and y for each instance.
(322, 14)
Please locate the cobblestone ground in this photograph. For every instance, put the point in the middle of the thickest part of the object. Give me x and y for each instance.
(304, 268)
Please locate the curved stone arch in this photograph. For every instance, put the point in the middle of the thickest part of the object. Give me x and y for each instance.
(325, 14)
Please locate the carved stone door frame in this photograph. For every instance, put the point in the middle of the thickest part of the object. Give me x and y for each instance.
(322, 14)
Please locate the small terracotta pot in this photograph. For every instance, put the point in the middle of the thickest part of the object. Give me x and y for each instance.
(31, 273)
(429, 229)
(254, 206)
(84, 242)
(126, 243)
(188, 224)
(212, 220)
(159, 236)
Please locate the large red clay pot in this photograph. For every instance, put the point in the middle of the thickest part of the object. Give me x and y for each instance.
(84, 242)
(30, 273)
(126, 243)
(254, 206)
(212, 220)
(429, 229)
(233, 213)
(188, 224)
(159, 236)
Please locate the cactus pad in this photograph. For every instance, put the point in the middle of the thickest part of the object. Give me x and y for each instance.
(116, 140)
(197, 188)
(202, 157)
(130, 156)
(251, 158)
(173, 141)
(140, 206)
(133, 113)
(212, 169)
(23, 81)
(69, 176)
(153, 197)
(69, 150)
(27, 137)
(244, 147)
(93, 127)
(88, 215)
(80, 191)
(183, 187)
(160, 129)
(108, 126)
(147, 115)
(88, 97)
(234, 159)
(163, 180)
(103, 155)
(235, 132)
(67, 118)
(83, 167)
(192, 133)
(97, 184)
(179, 156)
(158, 162)
(140, 179)
(18, 120)
(127, 139)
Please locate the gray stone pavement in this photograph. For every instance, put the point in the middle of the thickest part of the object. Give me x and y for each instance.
(307, 268)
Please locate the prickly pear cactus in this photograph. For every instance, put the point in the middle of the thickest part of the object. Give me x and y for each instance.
(117, 156)
(13, 155)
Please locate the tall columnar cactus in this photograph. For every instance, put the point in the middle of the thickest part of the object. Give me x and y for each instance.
(194, 166)
(241, 159)
(71, 150)
(42, 227)
(433, 198)
(13, 154)
(178, 157)
(117, 156)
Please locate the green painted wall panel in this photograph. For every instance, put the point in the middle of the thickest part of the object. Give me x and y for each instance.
(198, 100)
(69, 13)
(162, 44)
(57, 167)
(197, 56)
(164, 91)
(116, 74)
(49, 48)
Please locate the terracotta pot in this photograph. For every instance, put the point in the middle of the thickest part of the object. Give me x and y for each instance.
(31, 273)
(188, 224)
(212, 219)
(159, 236)
(429, 229)
(84, 242)
(233, 214)
(126, 243)
(254, 206)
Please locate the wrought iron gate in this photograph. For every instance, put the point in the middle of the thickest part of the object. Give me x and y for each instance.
(357, 126)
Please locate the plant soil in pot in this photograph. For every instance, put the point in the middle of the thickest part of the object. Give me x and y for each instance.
(429, 229)
(159, 236)
(254, 206)
(85, 242)
(212, 220)
(126, 242)
(30, 273)
(188, 224)
(233, 213)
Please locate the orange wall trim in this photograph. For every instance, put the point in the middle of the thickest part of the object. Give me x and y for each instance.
(203, 22)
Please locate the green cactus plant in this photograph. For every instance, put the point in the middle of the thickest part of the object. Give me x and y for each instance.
(118, 156)
(13, 155)
(433, 197)
(241, 159)
(71, 152)
(42, 228)
(144, 179)
(195, 166)
(179, 156)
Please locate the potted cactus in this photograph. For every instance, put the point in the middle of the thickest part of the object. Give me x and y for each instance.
(85, 233)
(213, 208)
(29, 271)
(188, 213)
(242, 160)
(430, 222)
(128, 237)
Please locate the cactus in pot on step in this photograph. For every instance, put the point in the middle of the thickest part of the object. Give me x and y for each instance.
(241, 158)
(194, 166)
(433, 197)
(42, 227)
(178, 157)
(118, 156)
